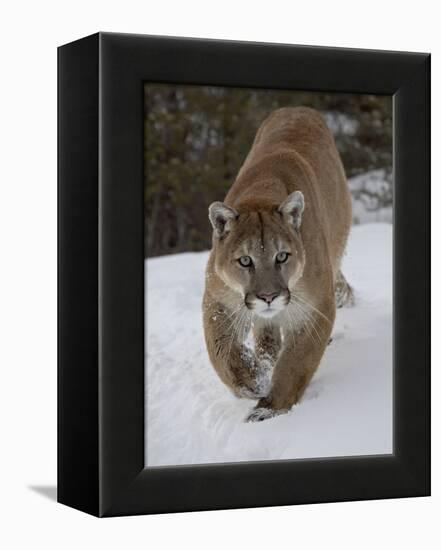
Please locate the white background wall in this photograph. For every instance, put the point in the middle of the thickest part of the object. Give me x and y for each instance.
(30, 33)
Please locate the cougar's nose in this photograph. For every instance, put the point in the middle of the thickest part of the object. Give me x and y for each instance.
(268, 298)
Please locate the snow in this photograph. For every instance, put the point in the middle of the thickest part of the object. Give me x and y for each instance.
(192, 418)
(341, 123)
(366, 189)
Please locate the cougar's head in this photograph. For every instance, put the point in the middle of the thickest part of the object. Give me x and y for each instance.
(258, 253)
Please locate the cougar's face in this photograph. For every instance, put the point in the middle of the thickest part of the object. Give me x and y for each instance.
(261, 257)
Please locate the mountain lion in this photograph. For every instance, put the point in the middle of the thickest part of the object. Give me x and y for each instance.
(273, 278)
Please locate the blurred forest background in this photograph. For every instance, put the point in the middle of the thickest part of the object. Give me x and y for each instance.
(197, 137)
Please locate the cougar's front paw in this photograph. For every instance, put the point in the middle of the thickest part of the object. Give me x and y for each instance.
(258, 414)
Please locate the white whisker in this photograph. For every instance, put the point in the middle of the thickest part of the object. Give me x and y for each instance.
(308, 304)
(301, 318)
(312, 321)
(237, 327)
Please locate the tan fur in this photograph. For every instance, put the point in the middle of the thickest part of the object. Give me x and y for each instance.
(293, 151)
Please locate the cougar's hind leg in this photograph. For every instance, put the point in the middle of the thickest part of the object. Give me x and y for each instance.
(344, 295)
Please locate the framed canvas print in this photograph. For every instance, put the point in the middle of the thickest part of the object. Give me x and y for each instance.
(244, 271)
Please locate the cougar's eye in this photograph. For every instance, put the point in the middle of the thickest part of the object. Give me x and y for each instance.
(282, 257)
(245, 261)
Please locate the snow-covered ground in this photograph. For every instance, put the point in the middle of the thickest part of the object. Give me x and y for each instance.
(192, 418)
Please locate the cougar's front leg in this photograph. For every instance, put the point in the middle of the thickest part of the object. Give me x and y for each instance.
(299, 359)
(267, 346)
(235, 364)
(267, 341)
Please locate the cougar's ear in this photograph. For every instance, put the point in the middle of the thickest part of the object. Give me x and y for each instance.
(292, 208)
(221, 217)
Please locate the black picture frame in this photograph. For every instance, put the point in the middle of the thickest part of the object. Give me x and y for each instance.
(101, 274)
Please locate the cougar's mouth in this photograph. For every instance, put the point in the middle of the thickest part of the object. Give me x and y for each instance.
(267, 305)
